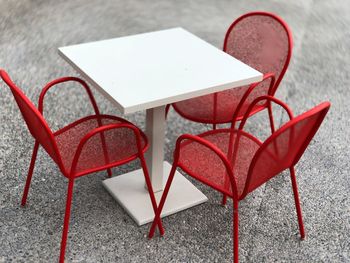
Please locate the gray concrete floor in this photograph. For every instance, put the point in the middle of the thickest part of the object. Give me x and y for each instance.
(31, 31)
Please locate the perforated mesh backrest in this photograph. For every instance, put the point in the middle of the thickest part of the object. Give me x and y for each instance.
(33, 118)
(284, 147)
(262, 41)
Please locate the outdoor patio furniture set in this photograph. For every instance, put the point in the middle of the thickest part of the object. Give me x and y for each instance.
(229, 160)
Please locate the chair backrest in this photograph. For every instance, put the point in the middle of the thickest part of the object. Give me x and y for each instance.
(261, 40)
(37, 125)
(284, 147)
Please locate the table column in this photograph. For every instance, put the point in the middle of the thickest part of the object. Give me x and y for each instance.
(155, 131)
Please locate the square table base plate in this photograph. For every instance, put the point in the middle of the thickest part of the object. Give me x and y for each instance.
(130, 192)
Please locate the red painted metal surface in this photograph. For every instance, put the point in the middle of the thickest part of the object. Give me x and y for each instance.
(93, 143)
(259, 39)
(235, 162)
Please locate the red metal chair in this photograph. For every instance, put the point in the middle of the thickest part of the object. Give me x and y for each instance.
(235, 162)
(259, 39)
(93, 143)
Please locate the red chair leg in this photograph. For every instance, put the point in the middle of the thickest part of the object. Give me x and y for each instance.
(162, 201)
(235, 232)
(103, 141)
(272, 124)
(66, 219)
(109, 170)
(150, 191)
(30, 173)
(167, 108)
(297, 202)
(224, 200)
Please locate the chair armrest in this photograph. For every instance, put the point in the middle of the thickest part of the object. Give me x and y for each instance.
(100, 130)
(62, 80)
(251, 88)
(269, 99)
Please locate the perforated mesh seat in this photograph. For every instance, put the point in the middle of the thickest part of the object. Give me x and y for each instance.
(202, 163)
(201, 109)
(120, 143)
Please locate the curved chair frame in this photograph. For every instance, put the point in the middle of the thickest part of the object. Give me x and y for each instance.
(321, 110)
(55, 154)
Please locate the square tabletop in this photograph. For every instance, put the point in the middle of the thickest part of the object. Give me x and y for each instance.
(154, 69)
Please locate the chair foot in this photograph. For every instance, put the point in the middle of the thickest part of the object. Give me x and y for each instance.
(162, 233)
(109, 172)
(224, 200)
(151, 234)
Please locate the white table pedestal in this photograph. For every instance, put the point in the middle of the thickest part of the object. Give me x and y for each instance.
(129, 191)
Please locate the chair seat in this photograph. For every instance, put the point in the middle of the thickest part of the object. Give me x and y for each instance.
(120, 144)
(203, 164)
(201, 109)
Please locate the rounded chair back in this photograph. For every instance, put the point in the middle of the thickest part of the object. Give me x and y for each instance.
(37, 125)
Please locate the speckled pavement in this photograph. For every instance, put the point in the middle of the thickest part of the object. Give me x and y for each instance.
(100, 231)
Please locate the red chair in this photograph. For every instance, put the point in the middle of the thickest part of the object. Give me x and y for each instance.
(93, 143)
(259, 39)
(235, 162)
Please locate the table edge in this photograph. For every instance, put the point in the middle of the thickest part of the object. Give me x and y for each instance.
(92, 82)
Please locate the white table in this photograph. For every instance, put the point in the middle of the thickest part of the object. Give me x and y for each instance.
(147, 72)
